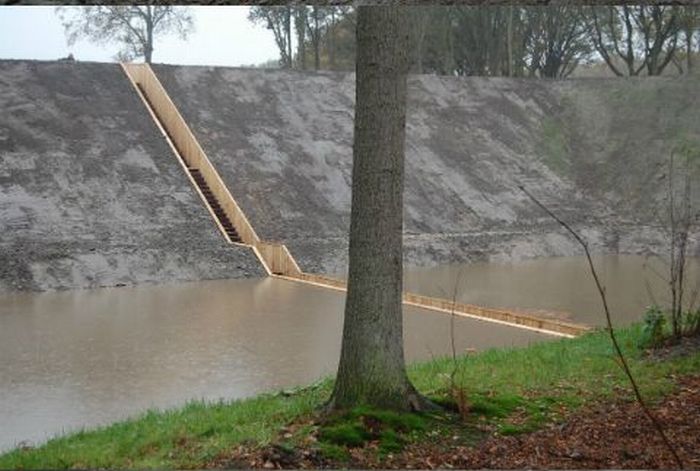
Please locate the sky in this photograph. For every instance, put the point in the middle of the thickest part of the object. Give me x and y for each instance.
(222, 36)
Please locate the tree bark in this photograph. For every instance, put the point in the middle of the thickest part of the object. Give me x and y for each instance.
(372, 369)
(509, 39)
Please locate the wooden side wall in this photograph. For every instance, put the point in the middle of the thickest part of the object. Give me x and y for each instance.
(513, 318)
(275, 257)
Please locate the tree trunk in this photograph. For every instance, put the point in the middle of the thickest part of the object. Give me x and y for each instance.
(331, 40)
(689, 50)
(509, 39)
(288, 33)
(372, 369)
(148, 47)
(300, 26)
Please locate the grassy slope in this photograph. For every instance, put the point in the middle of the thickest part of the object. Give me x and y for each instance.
(536, 381)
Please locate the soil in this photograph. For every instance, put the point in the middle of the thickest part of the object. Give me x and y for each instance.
(614, 434)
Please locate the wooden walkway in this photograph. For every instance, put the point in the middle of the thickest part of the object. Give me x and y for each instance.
(512, 318)
(275, 257)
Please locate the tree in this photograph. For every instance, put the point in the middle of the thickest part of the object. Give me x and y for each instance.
(300, 18)
(315, 24)
(689, 24)
(134, 27)
(480, 40)
(557, 40)
(279, 21)
(372, 369)
(643, 37)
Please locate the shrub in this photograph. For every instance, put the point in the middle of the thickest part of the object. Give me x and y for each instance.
(654, 331)
(691, 322)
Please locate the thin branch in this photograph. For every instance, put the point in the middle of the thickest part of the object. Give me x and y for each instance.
(611, 331)
(452, 324)
(457, 391)
(650, 292)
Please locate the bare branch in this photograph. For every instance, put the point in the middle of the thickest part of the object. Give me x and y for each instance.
(611, 331)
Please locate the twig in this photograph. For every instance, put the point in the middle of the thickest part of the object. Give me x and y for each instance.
(650, 292)
(457, 391)
(611, 331)
(452, 325)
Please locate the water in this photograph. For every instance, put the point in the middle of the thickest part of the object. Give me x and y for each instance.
(563, 286)
(89, 357)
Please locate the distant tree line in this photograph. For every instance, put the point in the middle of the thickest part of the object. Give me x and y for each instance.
(492, 40)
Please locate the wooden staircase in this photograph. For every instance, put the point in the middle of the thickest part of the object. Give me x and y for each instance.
(214, 204)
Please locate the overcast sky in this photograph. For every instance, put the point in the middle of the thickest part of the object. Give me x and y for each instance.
(222, 36)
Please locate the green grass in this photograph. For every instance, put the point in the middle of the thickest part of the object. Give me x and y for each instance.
(512, 390)
(355, 428)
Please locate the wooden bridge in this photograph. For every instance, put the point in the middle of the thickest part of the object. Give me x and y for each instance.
(275, 257)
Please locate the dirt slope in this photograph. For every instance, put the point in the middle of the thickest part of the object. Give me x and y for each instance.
(90, 193)
(283, 143)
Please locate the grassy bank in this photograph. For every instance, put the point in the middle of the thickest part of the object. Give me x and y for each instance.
(509, 390)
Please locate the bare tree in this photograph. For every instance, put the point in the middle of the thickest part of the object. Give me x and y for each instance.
(133, 27)
(277, 19)
(611, 331)
(682, 222)
(480, 46)
(689, 24)
(640, 36)
(372, 367)
(557, 40)
(300, 18)
(316, 26)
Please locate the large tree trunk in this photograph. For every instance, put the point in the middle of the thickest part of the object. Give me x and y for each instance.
(371, 369)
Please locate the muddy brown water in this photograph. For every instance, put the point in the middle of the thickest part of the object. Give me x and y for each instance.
(559, 287)
(83, 358)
